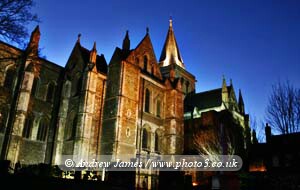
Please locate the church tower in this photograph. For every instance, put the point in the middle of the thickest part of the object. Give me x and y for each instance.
(171, 63)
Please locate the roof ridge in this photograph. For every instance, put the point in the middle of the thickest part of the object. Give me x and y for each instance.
(209, 90)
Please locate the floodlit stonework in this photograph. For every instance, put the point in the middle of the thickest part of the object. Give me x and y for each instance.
(133, 105)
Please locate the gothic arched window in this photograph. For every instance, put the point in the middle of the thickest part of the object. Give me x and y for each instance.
(71, 127)
(79, 85)
(50, 92)
(147, 100)
(42, 131)
(187, 86)
(3, 117)
(74, 127)
(9, 77)
(145, 62)
(145, 139)
(27, 127)
(156, 147)
(34, 86)
(158, 105)
(67, 89)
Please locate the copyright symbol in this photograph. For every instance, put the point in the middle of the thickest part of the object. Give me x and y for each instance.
(69, 163)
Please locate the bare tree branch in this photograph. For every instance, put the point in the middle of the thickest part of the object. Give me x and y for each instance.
(212, 141)
(14, 16)
(283, 109)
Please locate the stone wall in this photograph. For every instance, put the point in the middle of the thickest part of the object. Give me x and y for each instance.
(32, 152)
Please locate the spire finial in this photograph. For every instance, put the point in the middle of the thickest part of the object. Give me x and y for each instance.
(94, 46)
(147, 30)
(241, 102)
(78, 38)
(93, 54)
(224, 85)
(224, 92)
(170, 53)
(126, 42)
(170, 22)
(230, 82)
(37, 29)
(32, 47)
(240, 96)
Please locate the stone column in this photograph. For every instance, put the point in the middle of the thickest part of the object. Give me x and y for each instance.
(85, 116)
(62, 120)
(21, 110)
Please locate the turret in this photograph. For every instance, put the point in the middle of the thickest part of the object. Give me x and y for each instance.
(254, 138)
(224, 92)
(241, 103)
(93, 58)
(33, 45)
(126, 42)
(93, 54)
(268, 133)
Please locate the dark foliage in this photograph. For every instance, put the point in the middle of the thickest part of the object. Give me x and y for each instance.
(15, 15)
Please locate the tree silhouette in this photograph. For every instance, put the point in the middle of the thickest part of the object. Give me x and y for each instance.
(14, 16)
(283, 110)
(214, 140)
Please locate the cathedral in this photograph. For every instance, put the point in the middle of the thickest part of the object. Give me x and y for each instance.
(133, 105)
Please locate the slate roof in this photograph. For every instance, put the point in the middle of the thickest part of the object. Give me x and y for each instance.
(205, 100)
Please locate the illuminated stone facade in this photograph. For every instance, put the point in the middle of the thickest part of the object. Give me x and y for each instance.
(199, 106)
(216, 111)
(134, 105)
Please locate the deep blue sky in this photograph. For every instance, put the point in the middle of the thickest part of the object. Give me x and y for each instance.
(254, 42)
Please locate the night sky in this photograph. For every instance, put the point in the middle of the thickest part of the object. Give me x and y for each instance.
(254, 42)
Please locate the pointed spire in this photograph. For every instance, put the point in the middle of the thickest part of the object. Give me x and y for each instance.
(224, 92)
(231, 82)
(33, 44)
(170, 53)
(126, 42)
(93, 54)
(241, 102)
(36, 30)
(171, 23)
(78, 38)
(94, 46)
(241, 97)
(224, 85)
